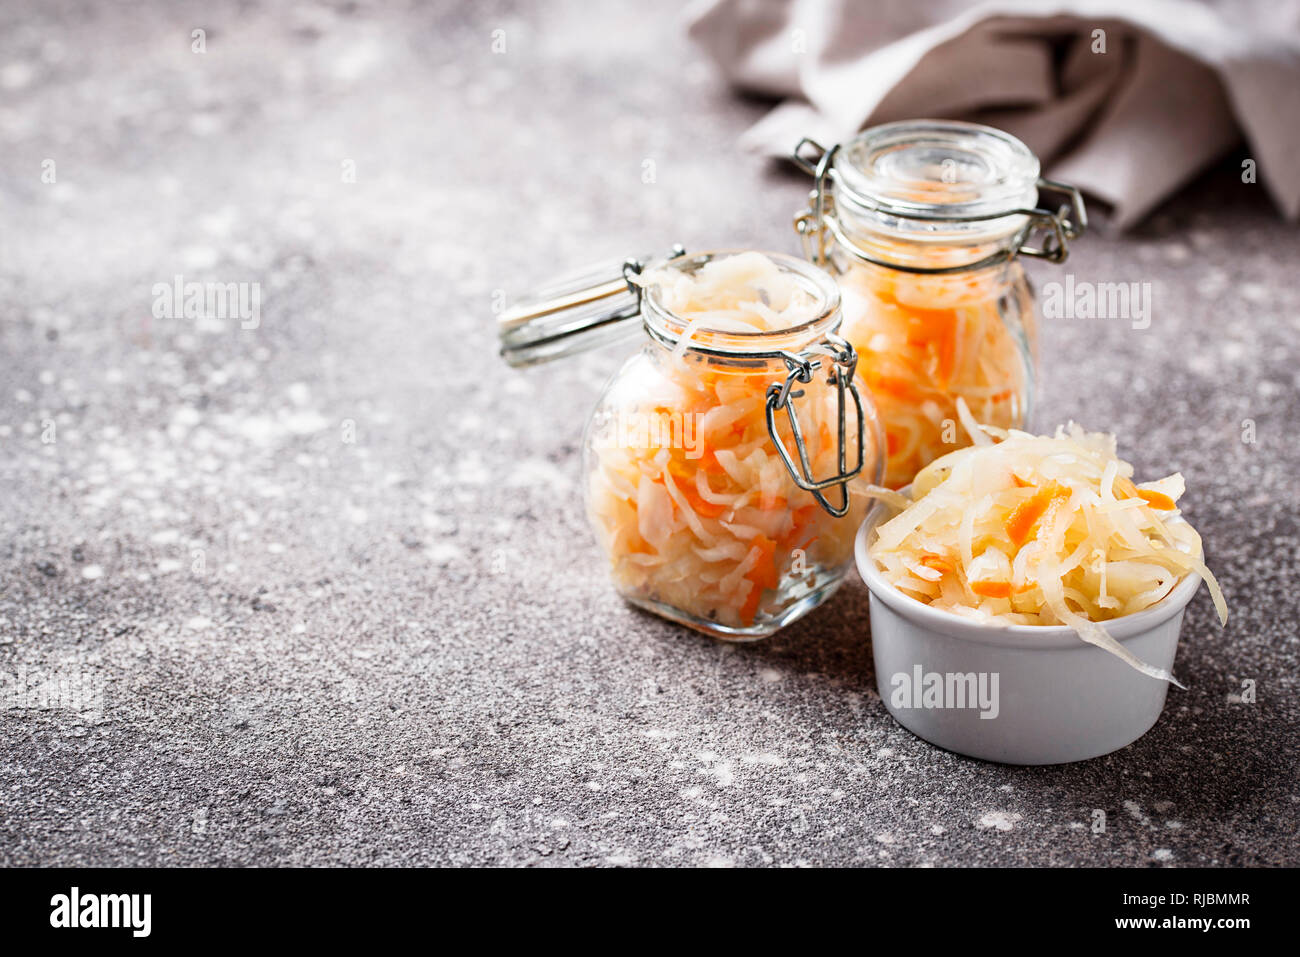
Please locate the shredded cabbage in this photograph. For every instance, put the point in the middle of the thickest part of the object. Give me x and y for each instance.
(923, 341)
(1042, 530)
(716, 527)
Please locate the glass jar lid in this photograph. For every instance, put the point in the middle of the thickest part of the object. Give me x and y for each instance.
(935, 181)
(943, 170)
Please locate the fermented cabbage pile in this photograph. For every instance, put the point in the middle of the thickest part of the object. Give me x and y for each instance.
(1041, 530)
(690, 499)
(923, 341)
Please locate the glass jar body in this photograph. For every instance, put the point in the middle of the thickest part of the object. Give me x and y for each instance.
(925, 339)
(696, 512)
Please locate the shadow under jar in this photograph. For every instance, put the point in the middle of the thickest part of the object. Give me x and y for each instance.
(726, 462)
(923, 222)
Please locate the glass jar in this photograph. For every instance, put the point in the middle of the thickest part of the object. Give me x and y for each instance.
(725, 474)
(924, 223)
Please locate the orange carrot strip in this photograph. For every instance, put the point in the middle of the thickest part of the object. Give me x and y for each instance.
(1027, 513)
(991, 589)
(764, 574)
(937, 562)
(1157, 499)
(750, 608)
(894, 386)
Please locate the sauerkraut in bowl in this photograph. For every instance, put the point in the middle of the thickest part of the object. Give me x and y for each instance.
(698, 514)
(1023, 529)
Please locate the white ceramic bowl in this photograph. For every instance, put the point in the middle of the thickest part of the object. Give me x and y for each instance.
(1049, 697)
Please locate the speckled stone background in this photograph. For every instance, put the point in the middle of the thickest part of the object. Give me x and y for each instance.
(278, 646)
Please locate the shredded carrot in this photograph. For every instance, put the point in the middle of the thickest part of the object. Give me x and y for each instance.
(1157, 499)
(896, 386)
(764, 574)
(925, 341)
(935, 330)
(749, 609)
(991, 589)
(937, 562)
(1025, 515)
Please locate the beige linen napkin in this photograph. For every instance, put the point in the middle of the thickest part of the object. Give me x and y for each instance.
(1127, 100)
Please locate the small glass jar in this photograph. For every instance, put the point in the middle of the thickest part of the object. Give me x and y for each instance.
(725, 475)
(923, 223)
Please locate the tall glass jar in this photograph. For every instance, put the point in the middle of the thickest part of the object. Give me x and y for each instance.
(725, 468)
(924, 223)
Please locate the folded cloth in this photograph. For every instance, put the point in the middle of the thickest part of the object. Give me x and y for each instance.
(1126, 100)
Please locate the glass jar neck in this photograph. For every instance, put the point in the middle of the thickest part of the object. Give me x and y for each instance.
(890, 285)
(698, 360)
(756, 352)
(925, 245)
(742, 350)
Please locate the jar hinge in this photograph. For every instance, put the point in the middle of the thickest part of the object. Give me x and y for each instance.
(1070, 221)
(810, 223)
(633, 267)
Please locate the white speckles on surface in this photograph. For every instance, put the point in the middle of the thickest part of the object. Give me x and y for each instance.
(998, 820)
(16, 75)
(538, 473)
(299, 394)
(1254, 292)
(443, 553)
(1134, 810)
(724, 774)
(465, 630)
(199, 257)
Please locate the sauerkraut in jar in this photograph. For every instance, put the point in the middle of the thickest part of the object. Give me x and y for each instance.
(727, 462)
(924, 224)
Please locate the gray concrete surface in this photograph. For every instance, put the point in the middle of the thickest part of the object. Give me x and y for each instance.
(278, 646)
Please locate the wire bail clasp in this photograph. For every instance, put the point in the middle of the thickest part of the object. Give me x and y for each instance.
(1070, 221)
(801, 368)
(810, 223)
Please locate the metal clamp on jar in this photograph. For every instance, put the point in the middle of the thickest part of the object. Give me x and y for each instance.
(724, 466)
(924, 223)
